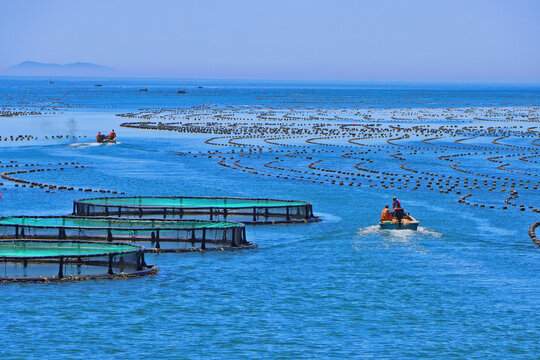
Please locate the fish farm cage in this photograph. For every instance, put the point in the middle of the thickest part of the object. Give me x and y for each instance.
(245, 210)
(155, 235)
(33, 260)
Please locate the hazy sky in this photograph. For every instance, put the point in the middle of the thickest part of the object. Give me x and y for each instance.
(409, 40)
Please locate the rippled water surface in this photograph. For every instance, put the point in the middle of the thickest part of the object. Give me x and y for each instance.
(465, 285)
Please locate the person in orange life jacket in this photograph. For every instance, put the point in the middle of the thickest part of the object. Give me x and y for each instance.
(385, 215)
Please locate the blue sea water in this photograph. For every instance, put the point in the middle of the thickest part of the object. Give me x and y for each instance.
(464, 286)
(125, 94)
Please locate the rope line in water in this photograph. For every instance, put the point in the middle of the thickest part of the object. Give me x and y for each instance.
(532, 233)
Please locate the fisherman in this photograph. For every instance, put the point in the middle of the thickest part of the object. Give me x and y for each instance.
(396, 204)
(385, 215)
(397, 211)
(112, 135)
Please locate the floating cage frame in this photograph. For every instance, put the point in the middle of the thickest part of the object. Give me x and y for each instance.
(252, 211)
(155, 235)
(42, 260)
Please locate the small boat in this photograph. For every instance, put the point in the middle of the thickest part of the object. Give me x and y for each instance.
(407, 223)
(105, 139)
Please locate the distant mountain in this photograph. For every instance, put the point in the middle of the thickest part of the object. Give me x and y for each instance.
(32, 68)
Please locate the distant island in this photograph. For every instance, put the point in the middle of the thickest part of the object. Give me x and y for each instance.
(33, 68)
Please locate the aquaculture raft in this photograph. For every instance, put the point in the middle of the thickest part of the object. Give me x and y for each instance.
(155, 235)
(29, 260)
(245, 210)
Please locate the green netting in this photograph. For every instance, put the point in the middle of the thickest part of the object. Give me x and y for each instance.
(158, 235)
(100, 223)
(191, 202)
(33, 249)
(244, 210)
(31, 260)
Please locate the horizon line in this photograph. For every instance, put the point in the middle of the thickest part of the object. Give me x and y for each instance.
(146, 77)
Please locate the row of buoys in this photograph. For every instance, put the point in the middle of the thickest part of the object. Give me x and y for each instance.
(45, 186)
(35, 138)
(391, 183)
(532, 233)
(228, 129)
(4, 113)
(487, 114)
(342, 132)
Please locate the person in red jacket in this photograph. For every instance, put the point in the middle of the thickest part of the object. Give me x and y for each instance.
(397, 211)
(396, 204)
(112, 135)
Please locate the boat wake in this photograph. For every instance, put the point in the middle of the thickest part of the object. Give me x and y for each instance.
(403, 236)
(374, 234)
(92, 144)
(370, 230)
(373, 237)
(426, 231)
(83, 145)
(376, 230)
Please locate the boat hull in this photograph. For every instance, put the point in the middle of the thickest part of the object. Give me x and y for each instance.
(409, 225)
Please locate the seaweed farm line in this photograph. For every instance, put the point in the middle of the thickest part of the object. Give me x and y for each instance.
(464, 163)
(504, 140)
(289, 145)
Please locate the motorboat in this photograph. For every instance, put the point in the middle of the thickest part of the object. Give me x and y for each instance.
(105, 139)
(407, 223)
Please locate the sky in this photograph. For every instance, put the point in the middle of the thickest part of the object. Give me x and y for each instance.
(339, 40)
